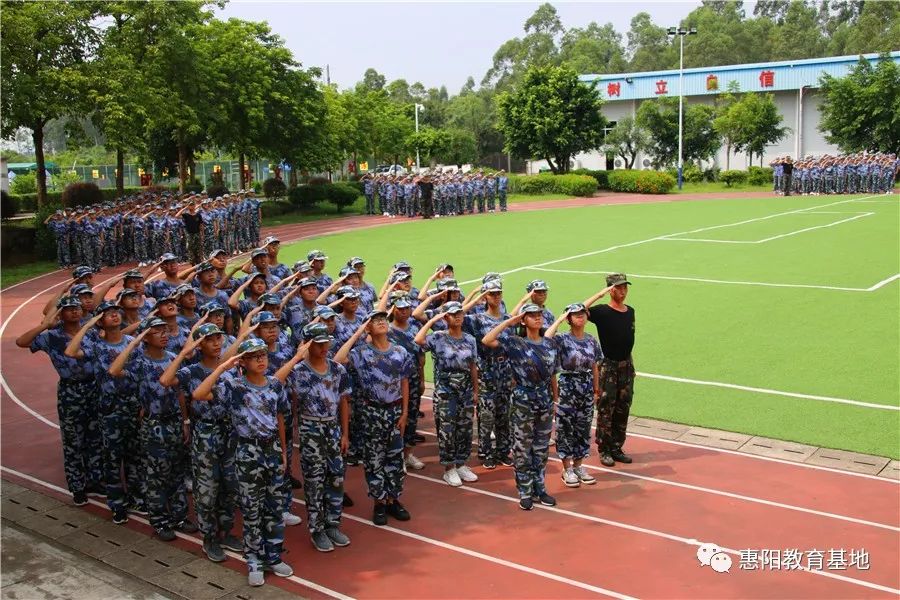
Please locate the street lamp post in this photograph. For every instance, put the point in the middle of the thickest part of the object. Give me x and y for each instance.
(418, 108)
(681, 32)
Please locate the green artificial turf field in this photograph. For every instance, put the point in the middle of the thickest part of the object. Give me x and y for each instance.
(789, 295)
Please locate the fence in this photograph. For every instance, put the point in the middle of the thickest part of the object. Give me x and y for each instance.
(105, 175)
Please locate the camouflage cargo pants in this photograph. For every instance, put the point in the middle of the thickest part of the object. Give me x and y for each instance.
(260, 483)
(323, 472)
(80, 431)
(573, 415)
(122, 451)
(493, 410)
(530, 420)
(616, 392)
(215, 481)
(415, 402)
(454, 403)
(383, 450)
(164, 457)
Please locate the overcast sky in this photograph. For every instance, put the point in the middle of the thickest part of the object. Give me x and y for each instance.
(436, 43)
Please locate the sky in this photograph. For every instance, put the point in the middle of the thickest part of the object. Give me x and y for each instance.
(436, 43)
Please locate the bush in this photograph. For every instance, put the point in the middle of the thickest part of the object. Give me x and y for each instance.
(44, 240)
(641, 182)
(258, 187)
(602, 177)
(692, 173)
(28, 202)
(575, 185)
(342, 194)
(318, 181)
(25, 183)
(733, 177)
(760, 175)
(82, 194)
(306, 196)
(62, 180)
(214, 191)
(8, 206)
(547, 183)
(274, 208)
(712, 174)
(274, 188)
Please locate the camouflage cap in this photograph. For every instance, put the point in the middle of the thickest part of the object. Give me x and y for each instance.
(269, 298)
(530, 308)
(133, 274)
(537, 285)
(400, 299)
(205, 266)
(81, 288)
(252, 346)
(151, 322)
(263, 316)
(617, 279)
(68, 302)
(206, 330)
(324, 312)
(82, 271)
(316, 332)
(451, 308)
(211, 307)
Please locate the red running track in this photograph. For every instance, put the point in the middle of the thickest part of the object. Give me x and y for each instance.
(634, 534)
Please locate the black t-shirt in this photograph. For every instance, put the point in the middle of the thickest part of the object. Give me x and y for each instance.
(191, 222)
(615, 330)
(426, 187)
(788, 169)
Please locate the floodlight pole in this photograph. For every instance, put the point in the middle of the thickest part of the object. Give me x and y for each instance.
(418, 106)
(681, 32)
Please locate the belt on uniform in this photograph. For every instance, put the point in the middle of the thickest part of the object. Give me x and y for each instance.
(368, 402)
(317, 419)
(258, 441)
(74, 381)
(576, 373)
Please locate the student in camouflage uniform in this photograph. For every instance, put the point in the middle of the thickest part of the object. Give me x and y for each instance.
(212, 444)
(258, 403)
(163, 432)
(76, 398)
(383, 370)
(533, 362)
(502, 187)
(578, 355)
(403, 333)
(323, 390)
(455, 390)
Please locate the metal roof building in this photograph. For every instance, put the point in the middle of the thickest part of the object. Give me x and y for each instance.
(793, 85)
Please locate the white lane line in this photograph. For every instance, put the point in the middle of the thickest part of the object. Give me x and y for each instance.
(659, 237)
(199, 542)
(715, 492)
(15, 285)
(652, 532)
(758, 390)
(883, 282)
(707, 241)
(774, 237)
(706, 280)
(755, 456)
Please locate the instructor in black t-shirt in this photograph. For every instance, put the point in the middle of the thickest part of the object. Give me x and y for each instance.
(615, 330)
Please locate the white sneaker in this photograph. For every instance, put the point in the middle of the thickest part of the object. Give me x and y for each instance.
(255, 578)
(291, 519)
(452, 477)
(466, 474)
(414, 463)
(585, 477)
(570, 478)
(281, 569)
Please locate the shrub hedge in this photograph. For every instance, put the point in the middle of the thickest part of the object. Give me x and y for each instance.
(733, 177)
(760, 175)
(274, 188)
(274, 208)
(602, 177)
(547, 183)
(342, 194)
(641, 182)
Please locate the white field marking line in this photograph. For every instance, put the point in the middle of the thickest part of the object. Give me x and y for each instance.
(653, 532)
(304, 582)
(482, 556)
(705, 280)
(736, 496)
(755, 456)
(708, 240)
(35, 278)
(883, 282)
(774, 237)
(659, 237)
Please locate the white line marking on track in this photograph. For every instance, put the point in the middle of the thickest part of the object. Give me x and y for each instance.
(774, 237)
(706, 280)
(883, 282)
(199, 542)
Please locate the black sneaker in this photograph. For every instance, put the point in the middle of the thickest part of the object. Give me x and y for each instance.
(214, 551)
(619, 456)
(337, 537)
(120, 516)
(348, 501)
(166, 535)
(506, 461)
(229, 542)
(489, 464)
(607, 460)
(295, 483)
(526, 503)
(79, 499)
(379, 515)
(398, 511)
(186, 526)
(547, 500)
(321, 542)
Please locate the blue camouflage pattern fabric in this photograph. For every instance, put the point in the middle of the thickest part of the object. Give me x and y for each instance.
(495, 385)
(160, 288)
(406, 339)
(367, 298)
(454, 401)
(576, 359)
(144, 372)
(319, 394)
(254, 409)
(380, 373)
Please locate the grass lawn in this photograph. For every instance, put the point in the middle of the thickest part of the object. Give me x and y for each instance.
(718, 186)
(796, 295)
(13, 275)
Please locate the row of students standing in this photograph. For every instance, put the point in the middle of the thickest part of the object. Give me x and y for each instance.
(440, 194)
(348, 383)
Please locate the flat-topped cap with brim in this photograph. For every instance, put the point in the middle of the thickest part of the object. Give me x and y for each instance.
(68, 302)
(451, 308)
(316, 332)
(617, 279)
(206, 330)
(211, 307)
(324, 312)
(252, 346)
(151, 322)
(537, 285)
(263, 316)
(269, 298)
(530, 308)
(82, 271)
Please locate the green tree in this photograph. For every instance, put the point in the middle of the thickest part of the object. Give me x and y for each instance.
(731, 121)
(649, 47)
(764, 122)
(660, 118)
(862, 110)
(876, 30)
(551, 115)
(799, 36)
(538, 47)
(626, 139)
(594, 49)
(373, 80)
(46, 48)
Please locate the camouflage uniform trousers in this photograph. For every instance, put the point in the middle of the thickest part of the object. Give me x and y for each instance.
(502, 197)
(470, 201)
(574, 411)
(616, 392)
(479, 198)
(194, 248)
(287, 489)
(453, 403)
(412, 419)
(493, 409)
(383, 451)
(62, 250)
(215, 482)
(357, 419)
(491, 204)
(323, 472)
(165, 456)
(122, 450)
(370, 203)
(261, 481)
(80, 430)
(530, 421)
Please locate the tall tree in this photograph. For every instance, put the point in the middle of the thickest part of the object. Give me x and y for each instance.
(731, 120)
(862, 110)
(538, 47)
(660, 118)
(594, 49)
(799, 36)
(373, 80)
(626, 139)
(551, 115)
(765, 126)
(46, 48)
(876, 30)
(649, 48)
